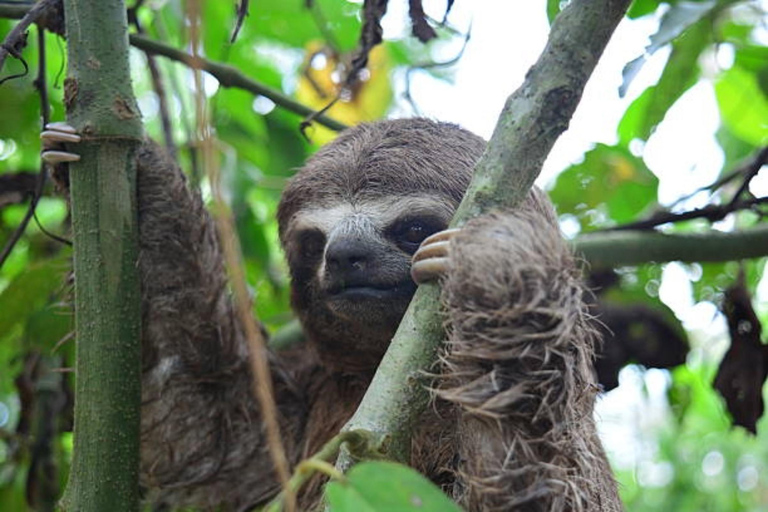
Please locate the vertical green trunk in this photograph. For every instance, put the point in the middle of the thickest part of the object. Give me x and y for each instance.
(101, 106)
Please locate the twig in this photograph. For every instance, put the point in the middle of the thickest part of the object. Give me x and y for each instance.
(229, 76)
(242, 12)
(357, 441)
(712, 213)
(45, 112)
(723, 180)
(178, 91)
(752, 170)
(15, 41)
(157, 85)
(430, 65)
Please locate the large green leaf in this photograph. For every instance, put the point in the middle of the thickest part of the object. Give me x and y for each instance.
(291, 23)
(680, 73)
(386, 487)
(743, 105)
(610, 179)
(675, 21)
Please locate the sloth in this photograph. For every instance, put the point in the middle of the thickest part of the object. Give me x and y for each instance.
(510, 425)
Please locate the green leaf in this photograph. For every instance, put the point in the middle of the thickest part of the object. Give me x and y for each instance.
(680, 73)
(553, 9)
(640, 8)
(678, 19)
(609, 180)
(743, 105)
(291, 23)
(386, 486)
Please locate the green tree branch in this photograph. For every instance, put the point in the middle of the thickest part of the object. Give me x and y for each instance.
(614, 248)
(101, 106)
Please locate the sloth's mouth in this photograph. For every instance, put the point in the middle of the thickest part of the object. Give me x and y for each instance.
(372, 292)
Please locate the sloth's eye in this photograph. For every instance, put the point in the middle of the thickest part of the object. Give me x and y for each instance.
(311, 243)
(415, 233)
(409, 234)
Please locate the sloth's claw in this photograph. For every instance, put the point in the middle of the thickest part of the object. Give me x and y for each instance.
(54, 136)
(57, 157)
(430, 262)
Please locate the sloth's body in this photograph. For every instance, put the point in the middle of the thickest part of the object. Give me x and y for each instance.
(512, 424)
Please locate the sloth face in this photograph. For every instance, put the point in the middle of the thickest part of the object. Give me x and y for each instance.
(351, 219)
(354, 260)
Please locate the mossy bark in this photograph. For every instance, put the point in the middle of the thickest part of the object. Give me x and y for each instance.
(101, 106)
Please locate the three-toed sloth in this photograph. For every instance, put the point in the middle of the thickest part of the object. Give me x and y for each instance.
(511, 427)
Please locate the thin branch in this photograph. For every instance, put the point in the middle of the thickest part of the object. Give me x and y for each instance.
(432, 65)
(29, 13)
(712, 213)
(357, 441)
(752, 169)
(157, 85)
(635, 247)
(242, 12)
(45, 114)
(229, 76)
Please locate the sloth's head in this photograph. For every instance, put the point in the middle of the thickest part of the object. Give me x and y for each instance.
(351, 219)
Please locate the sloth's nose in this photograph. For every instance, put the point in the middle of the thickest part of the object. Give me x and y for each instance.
(348, 256)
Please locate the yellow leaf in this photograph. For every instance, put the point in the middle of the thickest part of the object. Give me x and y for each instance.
(321, 81)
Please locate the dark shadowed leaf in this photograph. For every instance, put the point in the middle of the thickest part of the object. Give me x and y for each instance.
(744, 368)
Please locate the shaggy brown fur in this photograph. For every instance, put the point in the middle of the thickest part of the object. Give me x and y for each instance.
(512, 420)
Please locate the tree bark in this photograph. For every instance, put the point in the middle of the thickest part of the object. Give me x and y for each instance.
(533, 118)
(101, 106)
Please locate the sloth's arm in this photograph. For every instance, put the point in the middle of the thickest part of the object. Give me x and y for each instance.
(202, 440)
(518, 364)
(202, 443)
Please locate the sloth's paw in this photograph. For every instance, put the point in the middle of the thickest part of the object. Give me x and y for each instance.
(54, 137)
(430, 262)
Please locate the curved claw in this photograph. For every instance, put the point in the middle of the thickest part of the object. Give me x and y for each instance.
(60, 126)
(430, 262)
(53, 137)
(57, 157)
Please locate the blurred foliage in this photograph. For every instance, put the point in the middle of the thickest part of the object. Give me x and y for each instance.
(691, 460)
